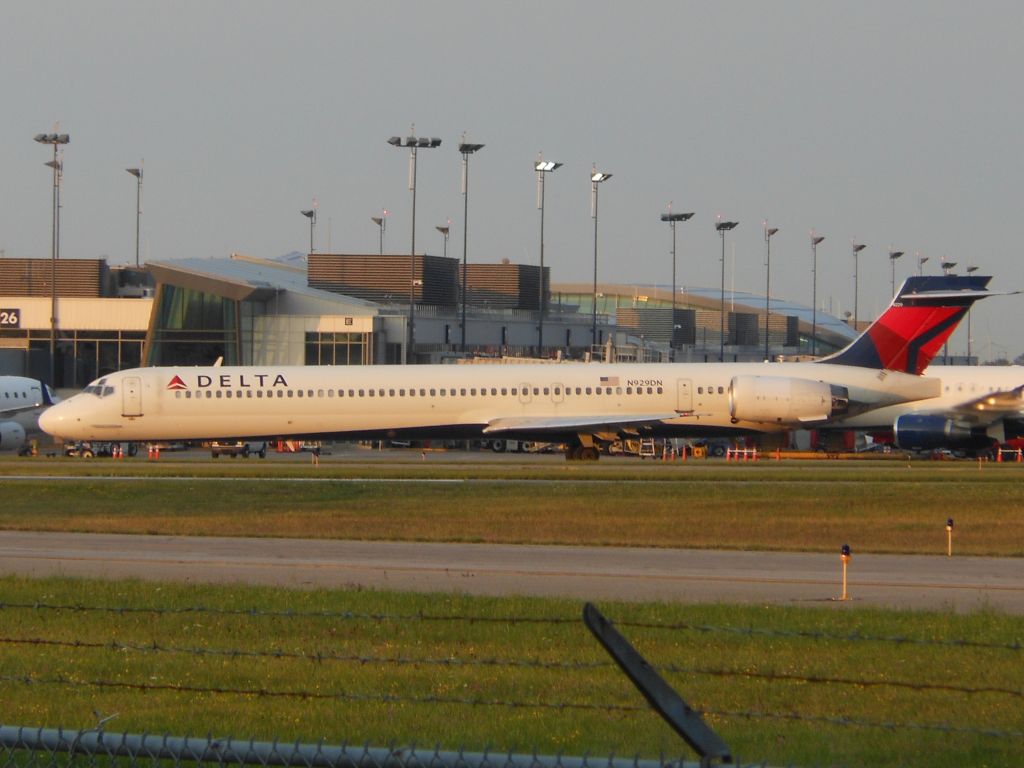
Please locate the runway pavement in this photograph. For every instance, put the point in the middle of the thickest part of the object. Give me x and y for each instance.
(593, 573)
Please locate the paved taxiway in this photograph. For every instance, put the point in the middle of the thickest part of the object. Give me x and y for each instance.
(594, 573)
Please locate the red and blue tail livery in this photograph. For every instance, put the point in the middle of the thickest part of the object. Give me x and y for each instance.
(913, 329)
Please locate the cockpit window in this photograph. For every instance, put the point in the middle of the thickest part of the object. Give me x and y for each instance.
(100, 388)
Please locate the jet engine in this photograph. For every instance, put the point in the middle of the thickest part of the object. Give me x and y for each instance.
(923, 432)
(781, 400)
(12, 436)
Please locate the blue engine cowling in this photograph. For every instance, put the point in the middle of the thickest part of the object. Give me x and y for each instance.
(917, 432)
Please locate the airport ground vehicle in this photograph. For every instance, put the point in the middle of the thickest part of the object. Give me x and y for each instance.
(87, 449)
(238, 448)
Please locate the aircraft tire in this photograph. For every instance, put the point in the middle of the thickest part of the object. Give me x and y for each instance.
(498, 446)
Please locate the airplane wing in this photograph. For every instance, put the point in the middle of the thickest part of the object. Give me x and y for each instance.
(988, 408)
(575, 423)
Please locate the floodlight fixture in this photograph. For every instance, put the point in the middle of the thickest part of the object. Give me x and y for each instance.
(722, 227)
(413, 143)
(596, 178)
(382, 223)
(137, 173)
(856, 248)
(816, 240)
(55, 140)
(768, 233)
(543, 168)
(466, 149)
(672, 219)
(893, 255)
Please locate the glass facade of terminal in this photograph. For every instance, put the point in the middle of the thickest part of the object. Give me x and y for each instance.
(82, 356)
(194, 328)
(337, 348)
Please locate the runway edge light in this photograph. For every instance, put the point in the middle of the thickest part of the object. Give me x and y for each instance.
(844, 556)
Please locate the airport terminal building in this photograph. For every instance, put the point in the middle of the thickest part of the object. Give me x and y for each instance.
(90, 318)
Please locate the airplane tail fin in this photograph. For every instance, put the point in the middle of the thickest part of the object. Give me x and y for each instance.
(908, 335)
(47, 394)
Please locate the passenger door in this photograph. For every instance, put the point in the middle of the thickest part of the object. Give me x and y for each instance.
(131, 402)
(684, 396)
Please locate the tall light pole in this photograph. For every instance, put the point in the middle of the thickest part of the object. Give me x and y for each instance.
(382, 223)
(137, 173)
(921, 260)
(768, 232)
(969, 270)
(596, 178)
(311, 215)
(723, 227)
(444, 231)
(56, 139)
(893, 255)
(815, 241)
(856, 248)
(543, 168)
(673, 219)
(413, 143)
(466, 149)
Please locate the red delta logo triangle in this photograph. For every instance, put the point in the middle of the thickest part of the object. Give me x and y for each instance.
(177, 383)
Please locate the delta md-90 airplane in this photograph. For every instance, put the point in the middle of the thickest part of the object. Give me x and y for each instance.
(581, 405)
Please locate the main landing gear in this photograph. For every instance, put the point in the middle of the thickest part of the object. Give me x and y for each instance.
(579, 452)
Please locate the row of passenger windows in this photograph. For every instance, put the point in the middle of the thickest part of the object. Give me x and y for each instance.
(557, 391)
(711, 390)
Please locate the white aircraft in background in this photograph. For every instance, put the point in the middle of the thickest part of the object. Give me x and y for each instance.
(581, 405)
(20, 400)
(979, 407)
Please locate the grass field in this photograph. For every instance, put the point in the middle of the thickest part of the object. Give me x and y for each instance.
(784, 685)
(813, 506)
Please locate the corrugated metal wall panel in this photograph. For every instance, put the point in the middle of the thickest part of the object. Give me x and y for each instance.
(85, 278)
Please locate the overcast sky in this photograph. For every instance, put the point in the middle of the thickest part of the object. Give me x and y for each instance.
(893, 122)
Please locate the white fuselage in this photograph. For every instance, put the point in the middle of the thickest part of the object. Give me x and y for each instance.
(961, 384)
(22, 400)
(529, 401)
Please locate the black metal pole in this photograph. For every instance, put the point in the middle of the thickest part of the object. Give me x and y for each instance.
(138, 215)
(540, 288)
(53, 270)
(412, 265)
(672, 325)
(721, 324)
(593, 323)
(814, 297)
(465, 240)
(767, 287)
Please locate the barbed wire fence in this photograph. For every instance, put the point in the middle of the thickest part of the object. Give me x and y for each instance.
(46, 744)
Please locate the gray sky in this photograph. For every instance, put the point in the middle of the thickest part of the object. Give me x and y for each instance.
(894, 122)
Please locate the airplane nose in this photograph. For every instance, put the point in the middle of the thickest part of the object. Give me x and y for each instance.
(50, 420)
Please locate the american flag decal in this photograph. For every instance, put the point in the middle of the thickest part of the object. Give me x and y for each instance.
(610, 380)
